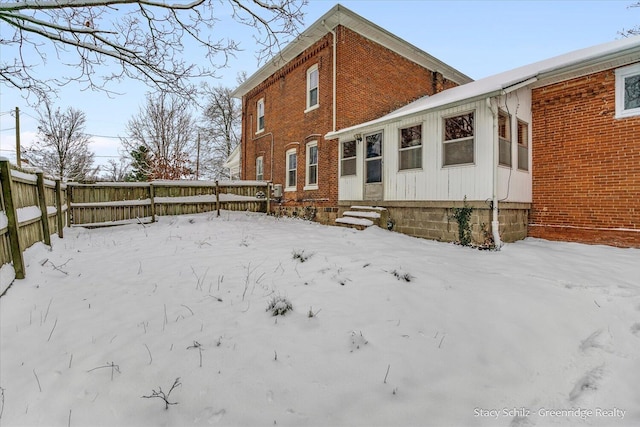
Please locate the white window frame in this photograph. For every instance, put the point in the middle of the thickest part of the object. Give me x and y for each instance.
(310, 72)
(523, 146)
(309, 185)
(287, 186)
(413, 148)
(260, 115)
(349, 159)
(471, 138)
(505, 139)
(260, 168)
(621, 75)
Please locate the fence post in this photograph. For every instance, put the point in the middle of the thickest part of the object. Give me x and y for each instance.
(12, 217)
(152, 196)
(268, 197)
(42, 201)
(69, 199)
(59, 211)
(217, 198)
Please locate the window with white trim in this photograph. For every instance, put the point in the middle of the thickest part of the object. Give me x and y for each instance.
(410, 150)
(504, 139)
(260, 122)
(458, 141)
(523, 145)
(628, 91)
(312, 87)
(292, 170)
(311, 179)
(259, 168)
(348, 158)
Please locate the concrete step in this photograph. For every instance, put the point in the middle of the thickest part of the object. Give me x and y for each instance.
(361, 217)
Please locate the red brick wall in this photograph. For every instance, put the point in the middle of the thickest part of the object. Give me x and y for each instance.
(586, 164)
(371, 81)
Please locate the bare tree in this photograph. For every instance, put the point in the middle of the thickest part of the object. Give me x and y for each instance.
(144, 39)
(165, 131)
(220, 131)
(62, 147)
(116, 171)
(635, 30)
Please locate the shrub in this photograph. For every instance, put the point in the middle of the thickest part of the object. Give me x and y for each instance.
(279, 306)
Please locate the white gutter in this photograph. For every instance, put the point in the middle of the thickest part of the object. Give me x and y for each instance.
(495, 224)
(333, 108)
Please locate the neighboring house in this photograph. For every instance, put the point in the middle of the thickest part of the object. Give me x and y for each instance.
(548, 150)
(341, 71)
(233, 163)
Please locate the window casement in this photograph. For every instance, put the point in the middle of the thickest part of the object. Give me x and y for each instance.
(260, 168)
(410, 150)
(260, 119)
(311, 176)
(348, 158)
(504, 139)
(523, 145)
(628, 91)
(458, 141)
(292, 170)
(312, 88)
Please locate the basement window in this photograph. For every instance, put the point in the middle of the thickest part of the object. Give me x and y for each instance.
(628, 91)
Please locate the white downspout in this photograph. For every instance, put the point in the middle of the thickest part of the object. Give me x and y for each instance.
(333, 107)
(495, 224)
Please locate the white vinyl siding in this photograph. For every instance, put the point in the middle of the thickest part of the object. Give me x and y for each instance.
(433, 182)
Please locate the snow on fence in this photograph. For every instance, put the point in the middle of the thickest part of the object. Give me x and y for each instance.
(32, 208)
(114, 203)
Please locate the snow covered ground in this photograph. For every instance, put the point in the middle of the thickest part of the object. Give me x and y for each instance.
(386, 330)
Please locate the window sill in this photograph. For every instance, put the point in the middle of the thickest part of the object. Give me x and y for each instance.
(502, 165)
(315, 107)
(310, 187)
(410, 170)
(290, 189)
(259, 131)
(628, 114)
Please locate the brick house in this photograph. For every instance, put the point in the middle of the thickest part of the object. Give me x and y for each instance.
(340, 71)
(548, 150)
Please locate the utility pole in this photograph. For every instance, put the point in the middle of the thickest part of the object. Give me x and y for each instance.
(18, 162)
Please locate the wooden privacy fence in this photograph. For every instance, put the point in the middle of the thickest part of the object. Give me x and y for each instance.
(113, 203)
(32, 208)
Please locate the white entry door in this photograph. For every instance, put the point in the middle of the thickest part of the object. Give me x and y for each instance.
(373, 166)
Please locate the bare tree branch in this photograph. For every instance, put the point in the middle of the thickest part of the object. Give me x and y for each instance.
(108, 40)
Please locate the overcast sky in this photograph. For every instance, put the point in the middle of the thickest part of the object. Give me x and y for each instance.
(479, 38)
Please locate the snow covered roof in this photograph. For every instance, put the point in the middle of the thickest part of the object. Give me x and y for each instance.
(573, 64)
(234, 158)
(340, 15)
